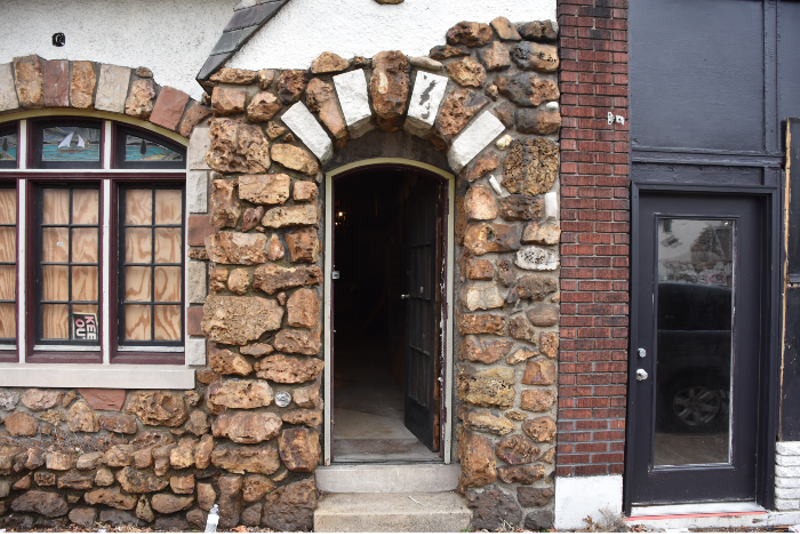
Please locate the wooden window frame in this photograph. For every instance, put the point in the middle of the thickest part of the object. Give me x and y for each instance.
(111, 180)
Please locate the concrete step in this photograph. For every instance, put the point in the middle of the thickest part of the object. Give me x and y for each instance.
(391, 512)
(366, 478)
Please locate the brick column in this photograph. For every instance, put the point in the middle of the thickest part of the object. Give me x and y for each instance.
(595, 249)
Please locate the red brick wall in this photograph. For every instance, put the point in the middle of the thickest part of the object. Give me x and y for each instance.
(595, 249)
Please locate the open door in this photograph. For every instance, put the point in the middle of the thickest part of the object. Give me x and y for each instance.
(423, 327)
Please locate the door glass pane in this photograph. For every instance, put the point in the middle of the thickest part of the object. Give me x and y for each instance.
(695, 259)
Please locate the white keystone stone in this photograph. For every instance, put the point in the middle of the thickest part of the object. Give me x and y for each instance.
(786, 460)
(195, 351)
(199, 144)
(536, 259)
(197, 191)
(787, 471)
(8, 93)
(425, 101)
(112, 88)
(783, 482)
(471, 141)
(196, 287)
(551, 205)
(789, 448)
(783, 505)
(306, 127)
(351, 88)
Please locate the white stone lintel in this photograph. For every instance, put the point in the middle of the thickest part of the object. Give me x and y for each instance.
(483, 130)
(351, 88)
(426, 98)
(306, 127)
(116, 376)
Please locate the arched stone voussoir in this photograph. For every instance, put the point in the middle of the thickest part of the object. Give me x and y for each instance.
(33, 83)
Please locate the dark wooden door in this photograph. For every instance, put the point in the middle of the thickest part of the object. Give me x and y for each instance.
(695, 366)
(422, 319)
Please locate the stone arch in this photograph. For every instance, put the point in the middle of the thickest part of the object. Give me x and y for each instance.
(31, 83)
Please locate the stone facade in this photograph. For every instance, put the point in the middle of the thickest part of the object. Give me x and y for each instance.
(254, 315)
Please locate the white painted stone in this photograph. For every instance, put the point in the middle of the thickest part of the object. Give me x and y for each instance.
(195, 351)
(787, 482)
(196, 282)
(495, 183)
(8, 93)
(787, 460)
(551, 205)
(787, 471)
(578, 497)
(112, 88)
(787, 493)
(351, 88)
(425, 101)
(482, 296)
(306, 127)
(787, 504)
(424, 62)
(199, 144)
(475, 138)
(536, 259)
(791, 448)
(504, 142)
(157, 35)
(197, 191)
(304, 28)
(551, 106)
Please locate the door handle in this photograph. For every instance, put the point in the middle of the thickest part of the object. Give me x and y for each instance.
(404, 297)
(641, 375)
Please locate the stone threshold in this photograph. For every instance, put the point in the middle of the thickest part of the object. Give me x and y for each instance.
(381, 478)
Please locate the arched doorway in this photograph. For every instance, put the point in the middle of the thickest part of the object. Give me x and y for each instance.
(388, 260)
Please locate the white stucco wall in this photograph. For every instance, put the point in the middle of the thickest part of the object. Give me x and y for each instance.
(172, 38)
(305, 28)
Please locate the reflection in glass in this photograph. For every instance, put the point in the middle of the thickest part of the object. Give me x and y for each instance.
(695, 261)
(139, 149)
(70, 143)
(8, 147)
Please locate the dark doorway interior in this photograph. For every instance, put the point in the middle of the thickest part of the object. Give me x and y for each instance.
(370, 320)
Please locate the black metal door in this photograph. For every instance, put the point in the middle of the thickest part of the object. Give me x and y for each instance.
(422, 301)
(698, 339)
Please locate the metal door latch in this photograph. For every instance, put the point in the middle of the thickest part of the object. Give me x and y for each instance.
(641, 375)
(334, 275)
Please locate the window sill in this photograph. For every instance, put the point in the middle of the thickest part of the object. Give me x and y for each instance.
(118, 376)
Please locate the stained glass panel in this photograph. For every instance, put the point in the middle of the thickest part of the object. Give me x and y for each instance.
(71, 143)
(8, 147)
(145, 150)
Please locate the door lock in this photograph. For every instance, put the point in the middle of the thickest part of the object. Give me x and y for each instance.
(641, 375)
(642, 353)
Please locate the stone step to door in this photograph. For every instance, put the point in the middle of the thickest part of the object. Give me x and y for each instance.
(392, 512)
(373, 478)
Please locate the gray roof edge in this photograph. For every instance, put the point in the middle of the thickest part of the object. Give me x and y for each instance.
(228, 43)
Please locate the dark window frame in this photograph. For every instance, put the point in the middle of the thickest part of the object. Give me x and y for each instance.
(119, 189)
(118, 153)
(39, 263)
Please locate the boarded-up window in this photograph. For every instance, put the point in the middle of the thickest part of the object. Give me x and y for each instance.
(151, 235)
(8, 264)
(68, 260)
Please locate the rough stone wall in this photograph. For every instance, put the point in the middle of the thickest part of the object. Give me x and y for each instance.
(32, 83)
(248, 436)
(595, 247)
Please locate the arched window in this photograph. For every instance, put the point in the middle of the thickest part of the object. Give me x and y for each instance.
(92, 246)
